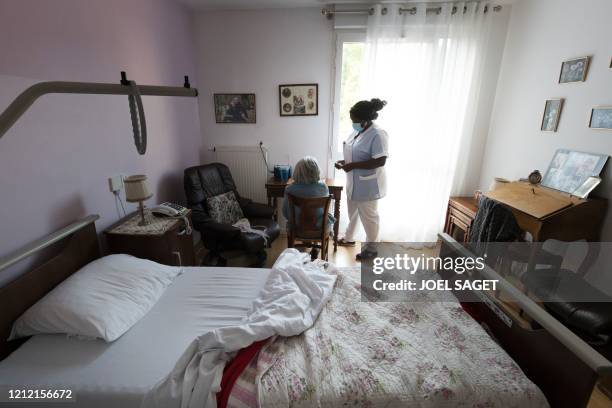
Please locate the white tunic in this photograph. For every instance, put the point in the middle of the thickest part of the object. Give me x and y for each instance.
(366, 184)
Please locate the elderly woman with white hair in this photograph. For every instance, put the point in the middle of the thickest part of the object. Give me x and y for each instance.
(306, 183)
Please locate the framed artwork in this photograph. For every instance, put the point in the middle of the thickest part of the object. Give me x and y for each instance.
(235, 108)
(601, 118)
(298, 99)
(570, 169)
(552, 112)
(574, 70)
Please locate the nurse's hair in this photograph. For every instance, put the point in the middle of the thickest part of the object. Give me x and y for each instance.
(307, 171)
(367, 110)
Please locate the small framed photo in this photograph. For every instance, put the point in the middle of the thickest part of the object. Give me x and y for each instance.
(552, 112)
(585, 189)
(298, 99)
(601, 118)
(235, 108)
(574, 70)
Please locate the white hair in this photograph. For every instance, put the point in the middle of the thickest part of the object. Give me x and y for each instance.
(307, 171)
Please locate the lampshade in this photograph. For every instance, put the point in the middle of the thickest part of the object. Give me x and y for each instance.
(136, 188)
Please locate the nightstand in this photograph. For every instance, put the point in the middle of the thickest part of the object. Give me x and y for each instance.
(164, 240)
(459, 216)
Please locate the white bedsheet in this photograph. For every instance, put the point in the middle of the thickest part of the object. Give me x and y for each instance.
(119, 374)
(427, 353)
(291, 300)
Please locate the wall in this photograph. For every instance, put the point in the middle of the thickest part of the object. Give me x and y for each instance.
(254, 52)
(54, 163)
(539, 38)
(541, 34)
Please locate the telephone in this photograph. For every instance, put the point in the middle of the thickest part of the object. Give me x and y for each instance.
(169, 210)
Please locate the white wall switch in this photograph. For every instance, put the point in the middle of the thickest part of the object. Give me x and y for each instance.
(115, 183)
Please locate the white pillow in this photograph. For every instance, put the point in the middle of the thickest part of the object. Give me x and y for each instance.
(103, 299)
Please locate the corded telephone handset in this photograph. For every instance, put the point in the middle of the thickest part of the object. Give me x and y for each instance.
(175, 211)
(170, 210)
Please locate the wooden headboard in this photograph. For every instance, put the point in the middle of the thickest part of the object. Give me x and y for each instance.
(77, 249)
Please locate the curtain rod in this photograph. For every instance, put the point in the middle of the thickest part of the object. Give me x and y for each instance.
(330, 12)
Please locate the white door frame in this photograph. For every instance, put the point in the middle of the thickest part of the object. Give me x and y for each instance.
(341, 37)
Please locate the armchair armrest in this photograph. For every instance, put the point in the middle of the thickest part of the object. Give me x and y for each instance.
(256, 210)
(205, 224)
(224, 231)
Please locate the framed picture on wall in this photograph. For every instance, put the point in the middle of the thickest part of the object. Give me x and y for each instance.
(552, 112)
(235, 108)
(574, 70)
(601, 118)
(298, 99)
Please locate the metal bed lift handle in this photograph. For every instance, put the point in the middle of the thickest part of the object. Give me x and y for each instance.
(23, 102)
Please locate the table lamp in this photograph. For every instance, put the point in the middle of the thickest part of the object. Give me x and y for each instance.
(137, 191)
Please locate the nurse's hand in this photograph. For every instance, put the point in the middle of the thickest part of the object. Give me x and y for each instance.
(339, 164)
(348, 167)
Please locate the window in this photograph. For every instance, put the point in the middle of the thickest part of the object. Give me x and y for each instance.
(352, 58)
(350, 48)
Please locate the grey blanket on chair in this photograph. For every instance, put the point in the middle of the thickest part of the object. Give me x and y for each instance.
(494, 222)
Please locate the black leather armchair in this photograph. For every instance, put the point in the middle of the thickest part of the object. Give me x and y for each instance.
(209, 180)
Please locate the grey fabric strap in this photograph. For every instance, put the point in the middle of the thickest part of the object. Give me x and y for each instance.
(139, 124)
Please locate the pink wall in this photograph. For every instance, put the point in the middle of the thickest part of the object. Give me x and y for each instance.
(54, 163)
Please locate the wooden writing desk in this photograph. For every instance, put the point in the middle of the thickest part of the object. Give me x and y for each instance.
(275, 189)
(550, 214)
(543, 212)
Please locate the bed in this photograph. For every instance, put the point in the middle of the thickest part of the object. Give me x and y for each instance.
(201, 300)
(119, 374)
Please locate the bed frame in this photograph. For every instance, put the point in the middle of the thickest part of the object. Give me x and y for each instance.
(78, 246)
(563, 365)
(557, 360)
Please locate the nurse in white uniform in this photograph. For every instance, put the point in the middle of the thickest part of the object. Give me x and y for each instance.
(365, 155)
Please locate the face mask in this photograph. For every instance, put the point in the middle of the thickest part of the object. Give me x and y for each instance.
(357, 127)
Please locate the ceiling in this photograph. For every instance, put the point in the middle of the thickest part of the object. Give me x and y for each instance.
(249, 4)
(267, 4)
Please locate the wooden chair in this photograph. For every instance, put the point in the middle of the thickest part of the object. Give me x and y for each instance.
(303, 229)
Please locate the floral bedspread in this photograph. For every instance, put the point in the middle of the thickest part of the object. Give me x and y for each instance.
(410, 354)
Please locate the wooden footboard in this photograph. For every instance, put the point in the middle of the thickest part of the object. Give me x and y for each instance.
(563, 378)
(561, 364)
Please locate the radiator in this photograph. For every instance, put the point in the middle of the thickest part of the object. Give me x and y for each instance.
(248, 169)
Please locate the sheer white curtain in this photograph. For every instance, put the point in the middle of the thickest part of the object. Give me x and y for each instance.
(428, 68)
